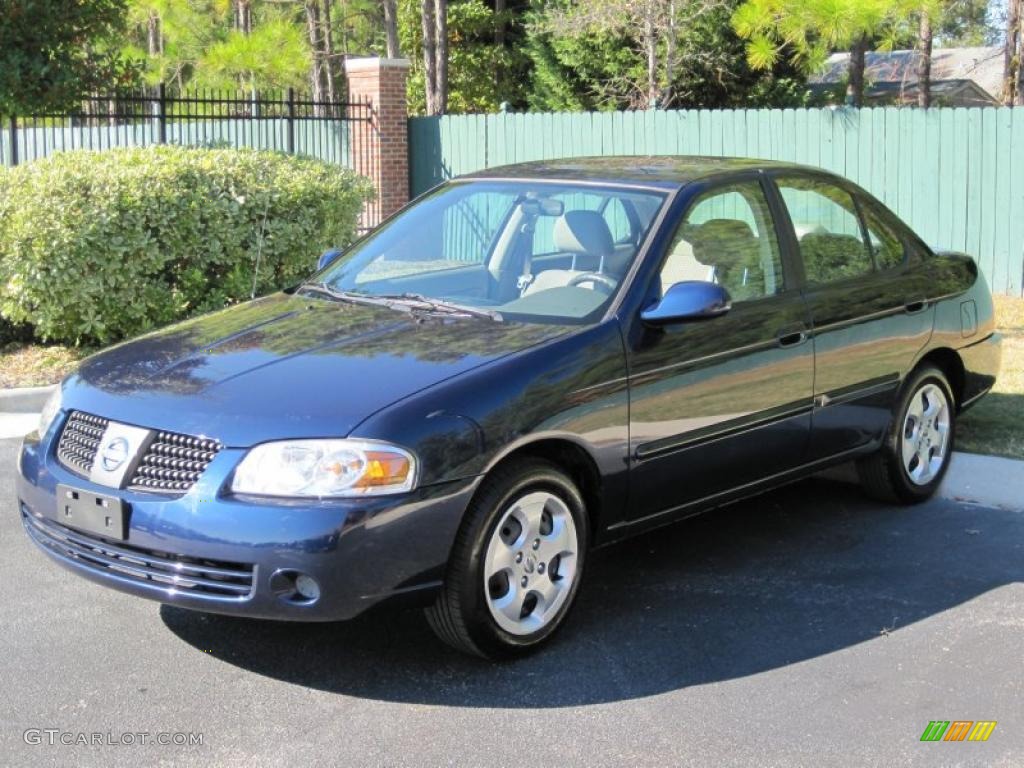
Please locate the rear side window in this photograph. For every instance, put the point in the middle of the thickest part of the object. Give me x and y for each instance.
(827, 228)
(886, 246)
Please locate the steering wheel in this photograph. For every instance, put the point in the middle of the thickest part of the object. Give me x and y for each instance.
(593, 277)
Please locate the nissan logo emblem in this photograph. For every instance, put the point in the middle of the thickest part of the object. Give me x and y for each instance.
(114, 454)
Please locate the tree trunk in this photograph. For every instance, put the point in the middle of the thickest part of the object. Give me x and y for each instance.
(332, 69)
(855, 87)
(651, 47)
(924, 62)
(153, 37)
(394, 50)
(499, 23)
(242, 11)
(242, 18)
(670, 57)
(429, 55)
(1011, 57)
(441, 54)
(1019, 99)
(316, 70)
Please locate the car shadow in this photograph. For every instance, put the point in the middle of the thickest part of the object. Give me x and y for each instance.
(785, 577)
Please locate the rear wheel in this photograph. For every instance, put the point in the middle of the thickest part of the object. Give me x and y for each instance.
(915, 455)
(516, 565)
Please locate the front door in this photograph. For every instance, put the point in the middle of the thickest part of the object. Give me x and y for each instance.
(722, 403)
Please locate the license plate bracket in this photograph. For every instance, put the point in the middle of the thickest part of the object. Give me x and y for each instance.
(94, 513)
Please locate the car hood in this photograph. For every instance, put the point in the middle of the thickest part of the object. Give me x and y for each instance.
(286, 366)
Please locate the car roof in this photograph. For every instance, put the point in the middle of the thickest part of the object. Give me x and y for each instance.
(664, 171)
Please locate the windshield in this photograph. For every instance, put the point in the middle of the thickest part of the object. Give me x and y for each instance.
(522, 250)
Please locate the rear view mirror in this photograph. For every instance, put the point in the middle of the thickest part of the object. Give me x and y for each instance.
(689, 300)
(327, 257)
(542, 206)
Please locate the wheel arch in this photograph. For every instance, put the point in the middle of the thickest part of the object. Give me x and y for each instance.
(949, 362)
(575, 460)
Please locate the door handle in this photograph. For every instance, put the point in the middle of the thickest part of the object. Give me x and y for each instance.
(915, 306)
(792, 336)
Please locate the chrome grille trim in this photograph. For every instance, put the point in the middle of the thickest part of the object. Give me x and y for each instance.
(186, 575)
(173, 463)
(79, 441)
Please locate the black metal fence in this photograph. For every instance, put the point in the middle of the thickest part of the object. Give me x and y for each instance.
(286, 121)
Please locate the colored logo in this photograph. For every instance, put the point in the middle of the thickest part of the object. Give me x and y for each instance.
(958, 730)
(114, 454)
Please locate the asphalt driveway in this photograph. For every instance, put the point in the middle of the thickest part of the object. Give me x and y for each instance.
(806, 627)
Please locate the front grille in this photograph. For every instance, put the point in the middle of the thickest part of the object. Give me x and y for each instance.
(173, 462)
(210, 578)
(79, 441)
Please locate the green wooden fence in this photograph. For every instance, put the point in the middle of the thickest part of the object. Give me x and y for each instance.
(956, 175)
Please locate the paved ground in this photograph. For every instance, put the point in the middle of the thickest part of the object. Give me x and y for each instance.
(808, 627)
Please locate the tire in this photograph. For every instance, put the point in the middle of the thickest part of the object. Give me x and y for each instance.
(542, 518)
(889, 475)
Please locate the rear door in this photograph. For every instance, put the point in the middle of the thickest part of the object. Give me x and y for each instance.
(718, 404)
(868, 306)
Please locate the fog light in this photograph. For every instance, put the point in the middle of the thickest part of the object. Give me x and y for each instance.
(307, 587)
(294, 587)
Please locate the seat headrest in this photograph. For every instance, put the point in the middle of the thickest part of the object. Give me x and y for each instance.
(583, 232)
(724, 230)
(721, 241)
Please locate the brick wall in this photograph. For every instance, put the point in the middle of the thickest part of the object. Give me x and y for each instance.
(382, 152)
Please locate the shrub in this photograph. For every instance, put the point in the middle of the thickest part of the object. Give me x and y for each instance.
(98, 246)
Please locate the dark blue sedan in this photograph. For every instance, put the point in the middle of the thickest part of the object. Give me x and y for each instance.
(520, 366)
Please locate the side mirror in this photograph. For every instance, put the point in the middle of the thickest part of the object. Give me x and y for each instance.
(327, 257)
(689, 300)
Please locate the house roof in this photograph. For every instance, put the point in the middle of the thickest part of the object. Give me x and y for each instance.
(898, 69)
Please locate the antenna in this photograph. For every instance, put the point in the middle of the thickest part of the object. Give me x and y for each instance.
(259, 248)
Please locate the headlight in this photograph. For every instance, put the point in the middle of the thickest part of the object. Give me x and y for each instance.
(49, 412)
(321, 468)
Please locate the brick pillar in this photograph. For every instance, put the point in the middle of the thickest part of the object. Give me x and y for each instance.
(380, 149)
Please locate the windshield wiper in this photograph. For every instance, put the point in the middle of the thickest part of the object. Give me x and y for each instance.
(430, 304)
(405, 302)
(355, 298)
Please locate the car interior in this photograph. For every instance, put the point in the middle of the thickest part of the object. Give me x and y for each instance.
(827, 228)
(560, 255)
(720, 241)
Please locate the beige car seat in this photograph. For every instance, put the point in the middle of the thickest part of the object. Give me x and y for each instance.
(581, 233)
(682, 265)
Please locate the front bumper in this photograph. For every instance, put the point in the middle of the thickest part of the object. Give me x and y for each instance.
(210, 551)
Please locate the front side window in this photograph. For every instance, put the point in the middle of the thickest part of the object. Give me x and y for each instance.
(532, 251)
(727, 237)
(827, 228)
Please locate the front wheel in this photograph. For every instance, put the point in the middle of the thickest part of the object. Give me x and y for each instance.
(516, 565)
(919, 444)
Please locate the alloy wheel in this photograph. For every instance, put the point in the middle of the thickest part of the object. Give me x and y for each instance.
(926, 434)
(530, 563)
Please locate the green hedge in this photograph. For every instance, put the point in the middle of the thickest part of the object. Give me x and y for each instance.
(99, 246)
